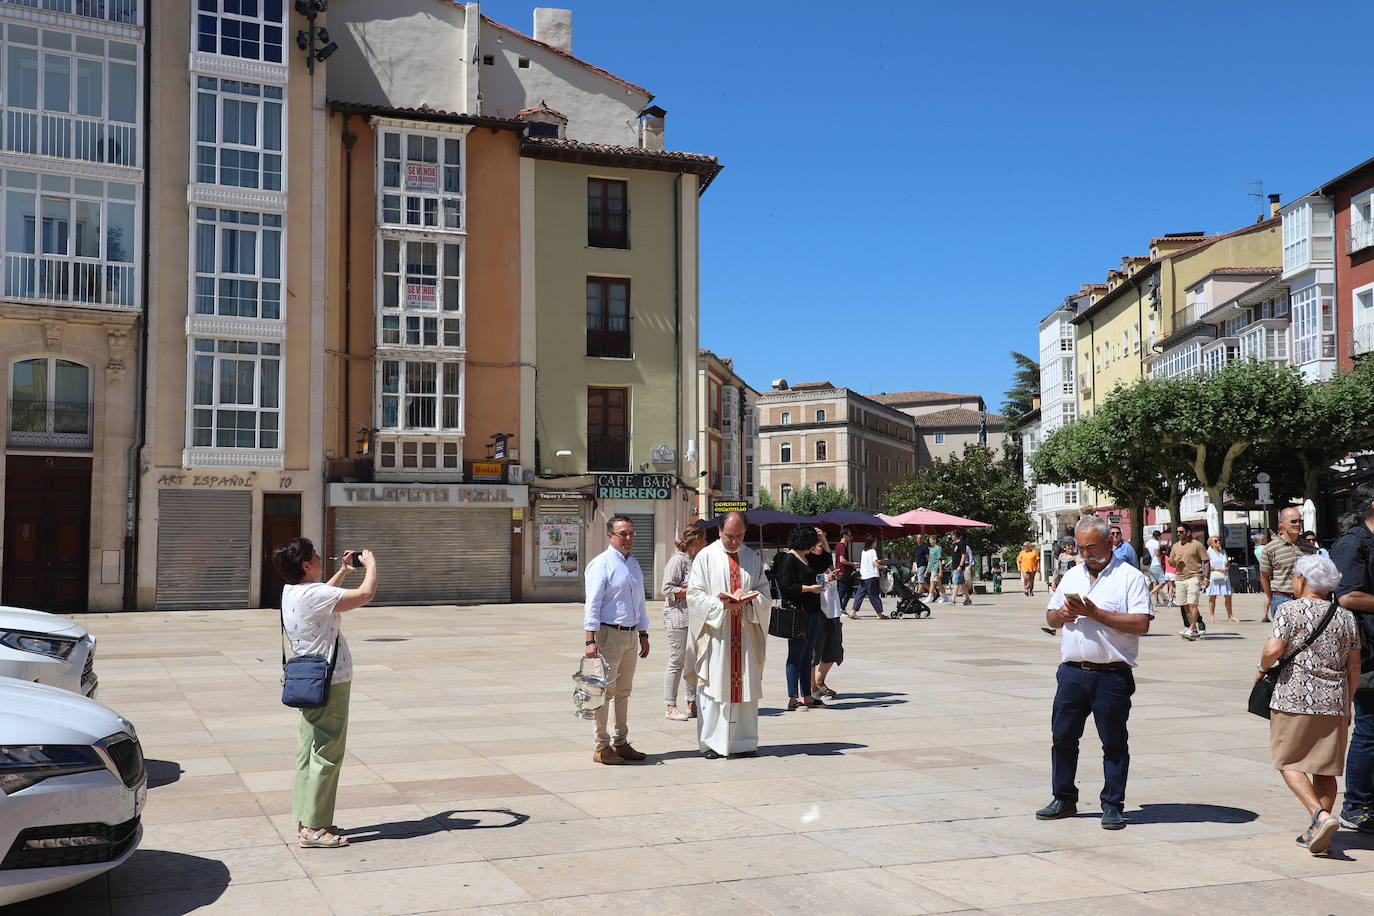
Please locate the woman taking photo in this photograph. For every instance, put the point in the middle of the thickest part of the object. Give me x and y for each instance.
(675, 621)
(1311, 707)
(310, 612)
(796, 582)
(1218, 579)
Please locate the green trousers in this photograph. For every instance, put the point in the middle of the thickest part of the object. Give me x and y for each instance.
(318, 758)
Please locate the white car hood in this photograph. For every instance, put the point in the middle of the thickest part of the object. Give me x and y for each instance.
(18, 618)
(37, 714)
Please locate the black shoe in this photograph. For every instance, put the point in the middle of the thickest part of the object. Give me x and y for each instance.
(1049, 630)
(744, 754)
(1056, 809)
(1111, 818)
(710, 754)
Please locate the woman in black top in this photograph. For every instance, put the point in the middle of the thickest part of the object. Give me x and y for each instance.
(796, 582)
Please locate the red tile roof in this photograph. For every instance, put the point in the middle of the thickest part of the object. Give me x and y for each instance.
(920, 397)
(959, 418)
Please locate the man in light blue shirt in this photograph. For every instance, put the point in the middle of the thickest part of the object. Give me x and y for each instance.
(615, 614)
(1122, 549)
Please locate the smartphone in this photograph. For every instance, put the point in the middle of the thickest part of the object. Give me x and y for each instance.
(1073, 596)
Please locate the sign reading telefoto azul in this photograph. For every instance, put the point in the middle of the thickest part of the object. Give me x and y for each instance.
(634, 486)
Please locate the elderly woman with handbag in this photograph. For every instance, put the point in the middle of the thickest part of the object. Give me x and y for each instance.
(1313, 662)
(310, 610)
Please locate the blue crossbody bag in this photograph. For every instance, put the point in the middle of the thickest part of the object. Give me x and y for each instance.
(305, 678)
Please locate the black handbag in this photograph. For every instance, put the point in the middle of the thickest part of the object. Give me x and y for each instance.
(305, 678)
(787, 621)
(1263, 691)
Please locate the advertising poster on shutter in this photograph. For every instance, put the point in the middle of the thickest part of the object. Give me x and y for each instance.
(559, 554)
(420, 296)
(420, 177)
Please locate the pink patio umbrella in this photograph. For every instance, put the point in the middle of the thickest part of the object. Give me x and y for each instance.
(928, 521)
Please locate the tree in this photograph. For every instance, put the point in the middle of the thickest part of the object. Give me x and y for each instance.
(766, 501)
(973, 485)
(1019, 401)
(806, 501)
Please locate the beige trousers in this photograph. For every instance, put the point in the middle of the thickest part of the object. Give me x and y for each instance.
(620, 649)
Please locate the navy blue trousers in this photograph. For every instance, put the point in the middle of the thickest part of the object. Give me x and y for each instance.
(869, 589)
(1106, 696)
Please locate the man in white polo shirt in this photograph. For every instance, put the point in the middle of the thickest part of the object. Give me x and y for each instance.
(1102, 607)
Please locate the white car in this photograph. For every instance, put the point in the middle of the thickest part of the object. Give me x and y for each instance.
(72, 788)
(47, 649)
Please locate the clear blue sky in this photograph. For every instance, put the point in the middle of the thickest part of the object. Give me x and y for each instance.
(910, 187)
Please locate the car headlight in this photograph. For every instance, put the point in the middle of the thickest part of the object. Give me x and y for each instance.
(22, 766)
(53, 646)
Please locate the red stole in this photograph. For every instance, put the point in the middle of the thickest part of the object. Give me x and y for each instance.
(736, 638)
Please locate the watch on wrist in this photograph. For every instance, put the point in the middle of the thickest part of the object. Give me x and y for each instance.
(591, 642)
(643, 635)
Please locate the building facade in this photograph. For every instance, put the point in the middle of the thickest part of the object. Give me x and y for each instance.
(818, 436)
(72, 299)
(727, 435)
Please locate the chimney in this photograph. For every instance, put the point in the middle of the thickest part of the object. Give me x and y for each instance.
(779, 384)
(651, 128)
(1274, 205)
(553, 27)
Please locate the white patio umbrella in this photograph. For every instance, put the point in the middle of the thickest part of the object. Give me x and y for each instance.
(1309, 515)
(1213, 521)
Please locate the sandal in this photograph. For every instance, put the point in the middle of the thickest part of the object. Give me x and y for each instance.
(1319, 834)
(320, 838)
(675, 714)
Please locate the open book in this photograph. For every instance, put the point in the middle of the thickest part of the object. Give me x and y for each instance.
(739, 595)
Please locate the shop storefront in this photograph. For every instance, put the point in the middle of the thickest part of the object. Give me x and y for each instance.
(435, 543)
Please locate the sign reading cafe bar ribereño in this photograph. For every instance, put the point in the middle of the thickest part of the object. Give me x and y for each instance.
(634, 486)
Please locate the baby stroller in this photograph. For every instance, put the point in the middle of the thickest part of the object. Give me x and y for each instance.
(907, 601)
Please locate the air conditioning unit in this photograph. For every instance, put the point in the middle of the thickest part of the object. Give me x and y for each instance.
(515, 474)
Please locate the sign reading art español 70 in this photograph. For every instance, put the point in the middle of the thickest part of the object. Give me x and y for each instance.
(634, 486)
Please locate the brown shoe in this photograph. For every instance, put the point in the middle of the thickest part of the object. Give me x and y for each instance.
(608, 756)
(627, 752)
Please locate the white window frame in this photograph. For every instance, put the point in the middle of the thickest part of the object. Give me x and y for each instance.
(1360, 234)
(401, 395)
(199, 18)
(410, 454)
(214, 218)
(30, 272)
(397, 323)
(266, 352)
(212, 91)
(820, 415)
(784, 453)
(405, 208)
(785, 418)
(784, 493)
(939, 438)
(1314, 336)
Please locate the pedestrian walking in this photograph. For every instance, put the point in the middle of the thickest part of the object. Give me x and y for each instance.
(847, 568)
(310, 612)
(935, 574)
(1353, 555)
(870, 569)
(1153, 565)
(1028, 564)
(1277, 559)
(1189, 559)
(675, 623)
(614, 614)
(961, 567)
(995, 571)
(1311, 705)
(1218, 580)
(1102, 608)
(1067, 560)
(920, 564)
(1122, 549)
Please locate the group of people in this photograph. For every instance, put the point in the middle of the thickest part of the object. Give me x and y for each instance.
(932, 561)
(1320, 652)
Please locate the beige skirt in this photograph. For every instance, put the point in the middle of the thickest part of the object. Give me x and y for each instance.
(1307, 744)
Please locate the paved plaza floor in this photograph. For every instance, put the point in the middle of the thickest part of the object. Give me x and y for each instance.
(469, 784)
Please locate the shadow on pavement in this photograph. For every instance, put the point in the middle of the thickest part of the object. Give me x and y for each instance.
(1183, 813)
(183, 882)
(818, 749)
(162, 772)
(468, 819)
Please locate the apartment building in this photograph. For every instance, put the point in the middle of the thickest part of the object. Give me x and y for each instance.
(815, 435)
(727, 435)
(73, 298)
(946, 422)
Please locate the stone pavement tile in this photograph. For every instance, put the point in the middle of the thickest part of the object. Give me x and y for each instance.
(485, 812)
(418, 890)
(804, 817)
(1359, 885)
(280, 780)
(1266, 897)
(370, 795)
(180, 751)
(201, 836)
(465, 788)
(200, 808)
(686, 900)
(298, 897)
(588, 776)
(692, 826)
(547, 838)
(652, 800)
(1277, 853)
(151, 871)
(1157, 866)
(162, 768)
(933, 842)
(928, 758)
(949, 806)
(888, 782)
(462, 767)
(386, 851)
(1121, 905)
(576, 874)
(1007, 880)
(432, 750)
(776, 791)
(750, 857)
(871, 891)
(519, 746)
(390, 820)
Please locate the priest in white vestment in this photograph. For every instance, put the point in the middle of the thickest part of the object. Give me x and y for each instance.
(729, 638)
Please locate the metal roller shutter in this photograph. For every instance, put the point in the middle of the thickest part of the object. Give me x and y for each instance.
(643, 550)
(432, 556)
(204, 549)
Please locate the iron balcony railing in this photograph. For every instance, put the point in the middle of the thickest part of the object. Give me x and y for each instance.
(70, 137)
(608, 453)
(1362, 339)
(1359, 236)
(56, 279)
(50, 424)
(125, 11)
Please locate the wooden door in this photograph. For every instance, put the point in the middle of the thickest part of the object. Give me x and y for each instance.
(281, 521)
(47, 533)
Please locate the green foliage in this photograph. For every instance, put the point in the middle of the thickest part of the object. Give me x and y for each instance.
(1025, 385)
(766, 501)
(806, 501)
(973, 485)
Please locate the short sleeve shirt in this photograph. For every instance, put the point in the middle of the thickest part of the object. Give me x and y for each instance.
(868, 565)
(312, 625)
(1278, 560)
(1189, 559)
(1314, 683)
(1152, 551)
(1118, 589)
(937, 556)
